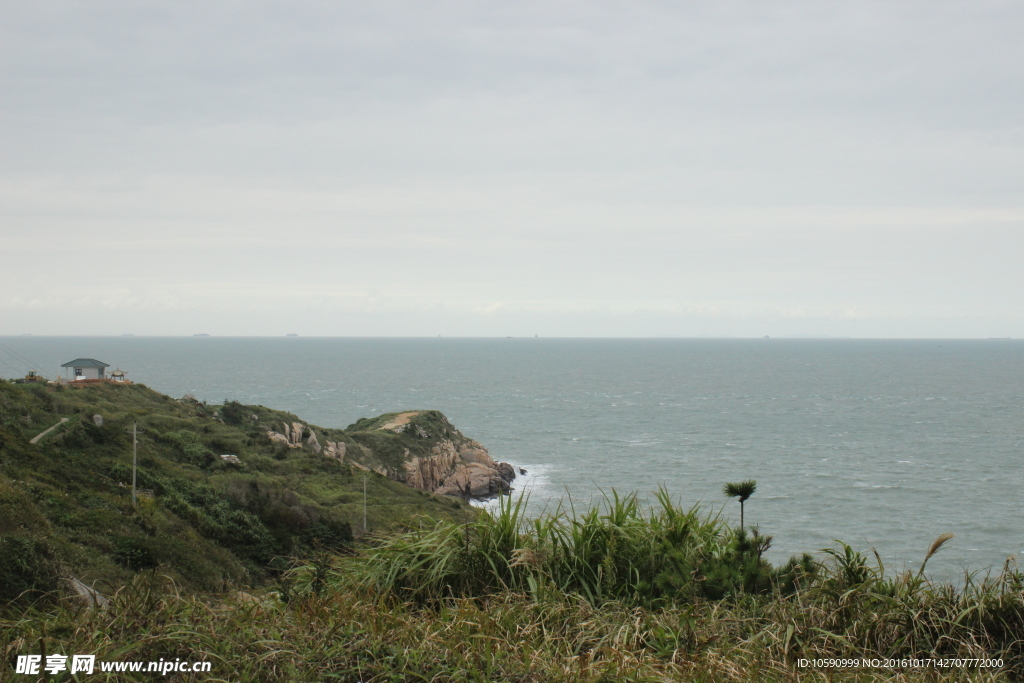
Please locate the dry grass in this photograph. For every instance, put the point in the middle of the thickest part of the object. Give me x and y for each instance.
(347, 635)
(408, 610)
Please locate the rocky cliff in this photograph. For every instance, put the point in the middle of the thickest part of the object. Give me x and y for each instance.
(419, 448)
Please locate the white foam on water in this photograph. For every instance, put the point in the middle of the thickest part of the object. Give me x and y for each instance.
(534, 485)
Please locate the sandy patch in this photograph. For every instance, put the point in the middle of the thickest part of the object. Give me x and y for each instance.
(400, 419)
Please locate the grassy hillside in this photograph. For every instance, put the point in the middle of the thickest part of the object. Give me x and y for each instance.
(615, 593)
(65, 502)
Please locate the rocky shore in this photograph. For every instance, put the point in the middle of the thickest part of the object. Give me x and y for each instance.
(434, 455)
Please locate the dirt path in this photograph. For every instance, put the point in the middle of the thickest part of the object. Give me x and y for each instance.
(397, 421)
(35, 439)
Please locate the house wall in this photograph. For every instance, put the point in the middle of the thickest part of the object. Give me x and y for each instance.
(90, 373)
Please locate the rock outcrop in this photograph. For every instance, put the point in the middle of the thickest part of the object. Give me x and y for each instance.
(421, 449)
(312, 443)
(336, 450)
(459, 467)
(277, 437)
(292, 436)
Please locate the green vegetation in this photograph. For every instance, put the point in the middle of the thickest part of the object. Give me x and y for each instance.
(65, 502)
(617, 552)
(390, 447)
(616, 593)
(500, 599)
(743, 490)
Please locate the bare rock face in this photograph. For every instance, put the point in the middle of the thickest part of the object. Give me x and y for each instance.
(312, 443)
(464, 470)
(292, 436)
(336, 450)
(473, 480)
(506, 471)
(278, 438)
(436, 457)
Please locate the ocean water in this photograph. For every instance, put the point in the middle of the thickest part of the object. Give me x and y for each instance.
(883, 444)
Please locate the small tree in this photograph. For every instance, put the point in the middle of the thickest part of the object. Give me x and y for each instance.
(742, 490)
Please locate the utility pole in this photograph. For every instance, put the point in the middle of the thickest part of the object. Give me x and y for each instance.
(135, 456)
(364, 504)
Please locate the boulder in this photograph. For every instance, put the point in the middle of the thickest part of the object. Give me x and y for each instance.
(506, 472)
(336, 450)
(292, 436)
(278, 438)
(312, 443)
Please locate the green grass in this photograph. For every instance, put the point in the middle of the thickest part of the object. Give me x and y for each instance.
(436, 592)
(618, 551)
(398, 612)
(65, 503)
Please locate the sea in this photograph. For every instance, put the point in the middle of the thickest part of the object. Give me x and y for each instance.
(881, 444)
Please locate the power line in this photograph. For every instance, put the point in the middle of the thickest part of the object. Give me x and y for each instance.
(16, 370)
(26, 361)
(14, 360)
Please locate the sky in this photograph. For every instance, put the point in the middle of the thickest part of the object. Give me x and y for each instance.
(559, 168)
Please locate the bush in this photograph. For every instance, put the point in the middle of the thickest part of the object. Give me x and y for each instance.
(234, 413)
(134, 553)
(289, 519)
(28, 567)
(191, 447)
(612, 553)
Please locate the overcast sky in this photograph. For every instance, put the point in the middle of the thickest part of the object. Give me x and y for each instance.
(512, 168)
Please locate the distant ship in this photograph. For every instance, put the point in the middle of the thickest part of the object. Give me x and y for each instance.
(291, 334)
(201, 334)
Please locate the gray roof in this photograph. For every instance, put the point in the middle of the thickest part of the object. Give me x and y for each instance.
(85, 363)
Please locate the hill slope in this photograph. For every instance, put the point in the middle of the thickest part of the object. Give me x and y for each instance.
(209, 522)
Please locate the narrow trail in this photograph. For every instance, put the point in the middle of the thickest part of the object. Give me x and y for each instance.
(35, 439)
(88, 593)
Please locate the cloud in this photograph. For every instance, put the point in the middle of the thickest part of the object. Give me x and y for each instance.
(736, 161)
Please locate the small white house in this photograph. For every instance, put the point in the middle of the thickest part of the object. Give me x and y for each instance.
(85, 368)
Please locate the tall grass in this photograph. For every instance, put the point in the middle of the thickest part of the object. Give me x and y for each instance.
(348, 634)
(614, 551)
(672, 560)
(617, 593)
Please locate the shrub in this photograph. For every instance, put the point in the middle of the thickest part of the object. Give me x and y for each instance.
(234, 413)
(611, 552)
(134, 553)
(28, 567)
(191, 447)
